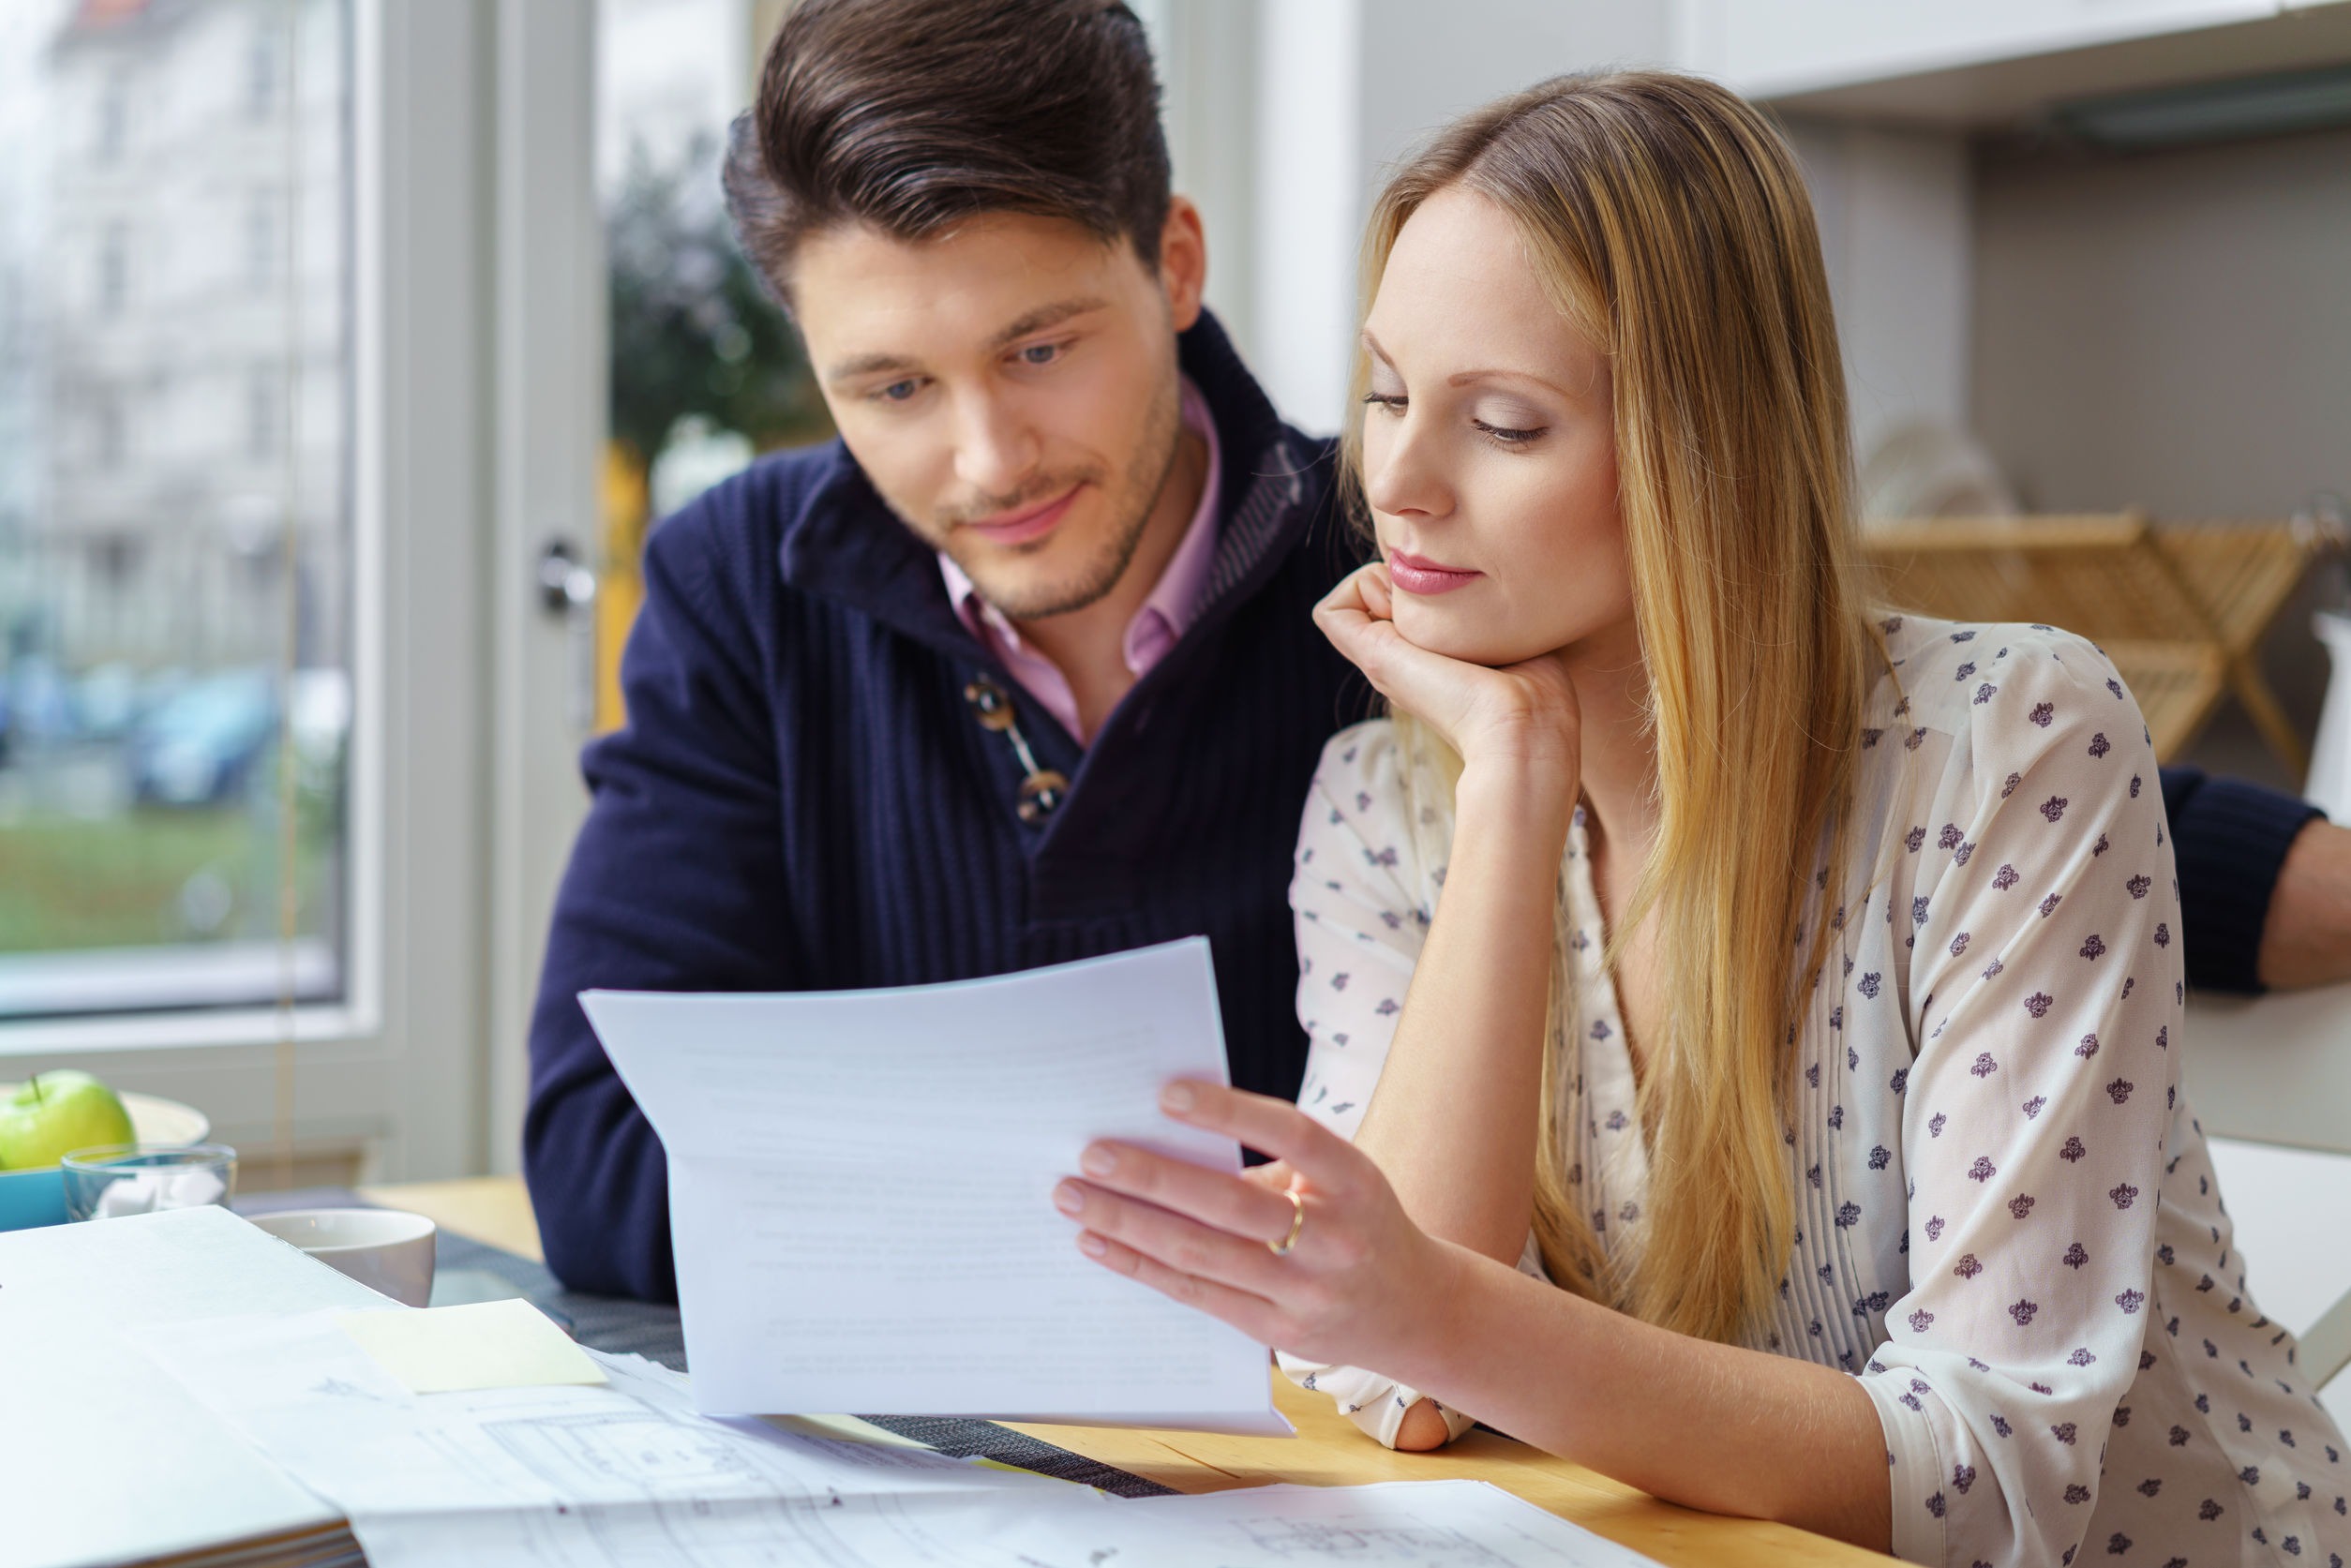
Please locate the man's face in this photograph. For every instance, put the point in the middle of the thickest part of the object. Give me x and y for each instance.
(1010, 387)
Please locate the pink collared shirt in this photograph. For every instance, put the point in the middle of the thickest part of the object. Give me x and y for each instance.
(1157, 625)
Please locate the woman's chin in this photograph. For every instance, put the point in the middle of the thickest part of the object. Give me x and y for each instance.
(1441, 628)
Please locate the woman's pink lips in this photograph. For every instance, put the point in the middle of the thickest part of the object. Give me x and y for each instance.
(1415, 575)
(1022, 527)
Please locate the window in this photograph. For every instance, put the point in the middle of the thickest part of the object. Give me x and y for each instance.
(106, 435)
(261, 241)
(260, 414)
(113, 120)
(175, 618)
(261, 69)
(113, 278)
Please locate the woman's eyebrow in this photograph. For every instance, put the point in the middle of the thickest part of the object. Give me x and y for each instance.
(1463, 378)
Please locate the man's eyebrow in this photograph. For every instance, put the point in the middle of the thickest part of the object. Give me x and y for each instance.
(1036, 321)
(868, 365)
(1048, 316)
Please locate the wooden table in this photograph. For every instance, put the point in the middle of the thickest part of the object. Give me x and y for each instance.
(1329, 1451)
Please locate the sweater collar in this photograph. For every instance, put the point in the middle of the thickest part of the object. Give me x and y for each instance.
(848, 547)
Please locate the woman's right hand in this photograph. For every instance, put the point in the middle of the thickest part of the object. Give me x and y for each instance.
(1518, 716)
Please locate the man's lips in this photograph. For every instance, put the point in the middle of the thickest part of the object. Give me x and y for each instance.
(1418, 574)
(1019, 528)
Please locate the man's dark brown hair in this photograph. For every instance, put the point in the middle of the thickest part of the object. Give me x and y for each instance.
(913, 114)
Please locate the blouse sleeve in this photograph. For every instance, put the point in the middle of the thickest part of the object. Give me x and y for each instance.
(1360, 924)
(2044, 988)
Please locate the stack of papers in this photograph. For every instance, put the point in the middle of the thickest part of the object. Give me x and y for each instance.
(626, 1471)
(104, 1460)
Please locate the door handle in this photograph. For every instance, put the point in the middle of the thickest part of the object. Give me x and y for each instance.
(567, 588)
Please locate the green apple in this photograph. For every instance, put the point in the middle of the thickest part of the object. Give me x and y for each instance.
(52, 1114)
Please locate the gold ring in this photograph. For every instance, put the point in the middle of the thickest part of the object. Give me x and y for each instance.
(1297, 1222)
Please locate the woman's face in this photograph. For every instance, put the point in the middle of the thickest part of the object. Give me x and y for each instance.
(1489, 447)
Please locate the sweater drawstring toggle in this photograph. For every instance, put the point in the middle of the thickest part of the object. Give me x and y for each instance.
(1042, 789)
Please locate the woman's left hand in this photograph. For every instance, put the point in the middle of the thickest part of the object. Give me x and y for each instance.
(1359, 1283)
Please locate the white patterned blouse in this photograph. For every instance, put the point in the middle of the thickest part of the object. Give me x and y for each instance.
(2008, 1226)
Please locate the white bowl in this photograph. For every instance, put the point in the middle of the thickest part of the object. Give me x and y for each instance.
(384, 1249)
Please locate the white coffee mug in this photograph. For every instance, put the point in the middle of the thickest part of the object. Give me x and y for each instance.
(384, 1249)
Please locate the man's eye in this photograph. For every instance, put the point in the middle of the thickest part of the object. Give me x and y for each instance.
(1041, 353)
(898, 391)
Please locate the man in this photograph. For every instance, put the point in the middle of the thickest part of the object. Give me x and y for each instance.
(1021, 668)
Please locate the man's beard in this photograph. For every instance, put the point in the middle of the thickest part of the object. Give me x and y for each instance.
(1132, 503)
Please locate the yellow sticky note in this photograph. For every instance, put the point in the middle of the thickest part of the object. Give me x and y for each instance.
(489, 1344)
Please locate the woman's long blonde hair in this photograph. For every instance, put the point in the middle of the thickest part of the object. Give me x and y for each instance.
(1668, 222)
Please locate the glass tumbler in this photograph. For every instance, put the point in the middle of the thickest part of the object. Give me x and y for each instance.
(116, 1179)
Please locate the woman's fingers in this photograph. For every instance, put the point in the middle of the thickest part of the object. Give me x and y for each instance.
(1178, 1241)
(1218, 1198)
(1254, 1315)
(1270, 1126)
(1357, 617)
(1274, 1175)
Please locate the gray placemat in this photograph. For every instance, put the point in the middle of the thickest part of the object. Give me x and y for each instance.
(618, 1326)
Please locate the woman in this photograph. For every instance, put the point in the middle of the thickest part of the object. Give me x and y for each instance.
(1782, 1099)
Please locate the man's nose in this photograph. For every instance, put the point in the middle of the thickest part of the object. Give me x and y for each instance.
(996, 452)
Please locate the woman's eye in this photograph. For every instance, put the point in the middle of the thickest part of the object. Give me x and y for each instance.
(1506, 435)
(1392, 401)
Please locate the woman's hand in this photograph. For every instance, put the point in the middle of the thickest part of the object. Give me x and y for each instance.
(1520, 713)
(1360, 1285)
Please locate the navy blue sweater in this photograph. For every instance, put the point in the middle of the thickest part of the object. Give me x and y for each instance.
(802, 799)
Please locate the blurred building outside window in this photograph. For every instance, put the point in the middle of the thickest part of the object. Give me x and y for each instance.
(175, 632)
(705, 370)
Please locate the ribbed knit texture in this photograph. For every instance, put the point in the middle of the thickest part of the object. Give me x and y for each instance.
(2229, 838)
(802, 799)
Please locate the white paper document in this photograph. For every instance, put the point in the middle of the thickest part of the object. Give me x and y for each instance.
(302, 1390)
(1401, 1524)
(860, 1192)
(626, 1473)
(102, 1461)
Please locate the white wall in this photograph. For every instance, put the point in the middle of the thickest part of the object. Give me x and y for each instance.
(1896, 213)
(1425, 65)
(1785, 46)
(1307, 205)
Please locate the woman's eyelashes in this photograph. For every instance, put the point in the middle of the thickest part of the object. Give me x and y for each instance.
(1518, 433)
(1505, 436)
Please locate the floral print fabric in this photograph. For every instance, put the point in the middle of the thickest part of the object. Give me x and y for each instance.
(2008, 1228)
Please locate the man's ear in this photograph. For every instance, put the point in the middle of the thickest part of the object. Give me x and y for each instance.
(1183, 262)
